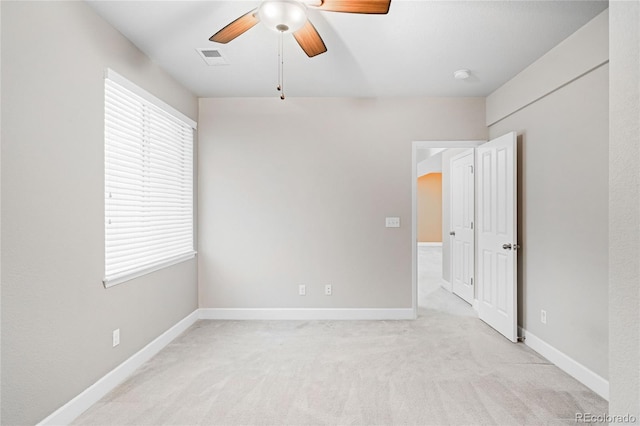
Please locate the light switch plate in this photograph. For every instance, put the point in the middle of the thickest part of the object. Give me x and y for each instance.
(392, 222)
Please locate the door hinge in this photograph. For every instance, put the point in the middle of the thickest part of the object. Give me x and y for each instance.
(471, 280)
(471, 225)
(471, 169)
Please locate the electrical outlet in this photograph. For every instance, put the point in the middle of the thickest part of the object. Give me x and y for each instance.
(116, 337)
(327, 290)
(543, 316)
(302, 290)
(392, 222)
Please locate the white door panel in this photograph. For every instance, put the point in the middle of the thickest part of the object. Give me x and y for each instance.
(497, 235)
(462, 216)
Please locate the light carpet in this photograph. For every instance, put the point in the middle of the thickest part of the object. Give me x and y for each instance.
(446, 368)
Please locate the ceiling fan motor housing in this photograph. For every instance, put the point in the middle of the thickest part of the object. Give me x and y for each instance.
(283, 16)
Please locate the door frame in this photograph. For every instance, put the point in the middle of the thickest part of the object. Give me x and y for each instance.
(415, 145)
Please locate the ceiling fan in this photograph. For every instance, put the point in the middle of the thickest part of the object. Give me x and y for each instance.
(290, 16)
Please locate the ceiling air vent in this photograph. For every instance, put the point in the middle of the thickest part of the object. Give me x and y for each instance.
(212, 57)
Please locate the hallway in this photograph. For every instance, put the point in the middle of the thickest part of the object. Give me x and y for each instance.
(431, 295)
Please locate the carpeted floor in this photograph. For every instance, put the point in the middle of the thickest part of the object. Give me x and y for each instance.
(446, 368)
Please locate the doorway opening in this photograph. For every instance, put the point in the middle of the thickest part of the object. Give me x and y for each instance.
(432, 269)
(479, 262)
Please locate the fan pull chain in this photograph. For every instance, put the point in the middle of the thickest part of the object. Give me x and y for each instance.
(279, 88)
(281, 66)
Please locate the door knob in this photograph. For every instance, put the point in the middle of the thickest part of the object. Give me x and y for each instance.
(506, 246)
(452, 233)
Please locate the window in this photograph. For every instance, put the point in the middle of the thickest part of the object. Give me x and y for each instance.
(148, 182)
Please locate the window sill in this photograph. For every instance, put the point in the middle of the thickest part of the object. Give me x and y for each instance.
(119, 279)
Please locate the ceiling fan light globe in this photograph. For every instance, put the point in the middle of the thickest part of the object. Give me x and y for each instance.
(282, 16)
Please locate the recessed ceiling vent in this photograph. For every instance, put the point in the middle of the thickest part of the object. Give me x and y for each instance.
(212, 57)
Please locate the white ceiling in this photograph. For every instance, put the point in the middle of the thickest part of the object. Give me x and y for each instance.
(412, 51)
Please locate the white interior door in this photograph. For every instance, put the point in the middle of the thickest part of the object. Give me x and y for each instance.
(497, 235)
(462, 216)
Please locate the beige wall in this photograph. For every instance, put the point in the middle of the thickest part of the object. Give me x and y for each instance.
(624, 208)
(57, 318)
(563, 219)
(297, 192)
(429, 200)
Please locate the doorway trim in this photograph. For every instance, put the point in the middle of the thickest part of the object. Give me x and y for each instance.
(415, 146)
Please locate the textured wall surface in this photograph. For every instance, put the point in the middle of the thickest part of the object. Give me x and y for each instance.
(57, 318)
(297, 192)
(624, 209)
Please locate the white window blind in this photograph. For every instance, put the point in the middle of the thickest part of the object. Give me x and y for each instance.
(148, 183)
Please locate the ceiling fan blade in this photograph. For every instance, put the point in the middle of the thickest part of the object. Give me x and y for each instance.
(380, 7)
(236, 28)
(309, 39)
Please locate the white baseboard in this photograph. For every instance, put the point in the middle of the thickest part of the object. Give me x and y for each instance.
(78, 405)
(429, 244)
(447, 285)
(567, 364)
(306, 314)
(476, 305)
